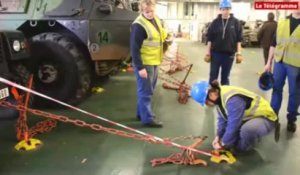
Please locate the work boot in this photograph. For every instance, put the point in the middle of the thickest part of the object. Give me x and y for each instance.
(291, 126)
(139, 117)
(154, 124)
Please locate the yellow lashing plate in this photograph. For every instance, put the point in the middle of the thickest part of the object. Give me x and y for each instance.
(28, 145)
(97, 90)
(222, 155)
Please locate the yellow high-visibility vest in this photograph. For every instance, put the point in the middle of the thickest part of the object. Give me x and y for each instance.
(288, 46)
(152, 47)
(259, 106)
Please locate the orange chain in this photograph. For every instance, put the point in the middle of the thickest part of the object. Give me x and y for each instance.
(174, 80)
(77, 122)
(181, 87)
(95, 127)
(22, 130)
(186, 157)
(183, 94)
(175, 67)
(40, 127)
(177, 63)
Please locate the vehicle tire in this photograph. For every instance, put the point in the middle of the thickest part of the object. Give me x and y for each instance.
(60, 70)
(22, 75)
(245, 42)
(9, 113)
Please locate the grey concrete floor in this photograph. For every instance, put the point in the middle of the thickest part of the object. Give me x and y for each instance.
(80, 151)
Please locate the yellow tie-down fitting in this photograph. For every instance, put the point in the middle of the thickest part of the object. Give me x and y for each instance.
(27, 145)
(219, 156)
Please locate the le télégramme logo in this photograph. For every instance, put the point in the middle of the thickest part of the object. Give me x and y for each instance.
(276, 5)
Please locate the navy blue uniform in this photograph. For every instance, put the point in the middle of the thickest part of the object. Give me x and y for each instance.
(224, 34)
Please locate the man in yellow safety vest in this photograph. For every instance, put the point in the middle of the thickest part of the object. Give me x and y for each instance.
(146, 46)
(286, 51)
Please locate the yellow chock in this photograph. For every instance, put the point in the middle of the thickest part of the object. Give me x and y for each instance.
(30, 144)
(97, 90)
(222, 156)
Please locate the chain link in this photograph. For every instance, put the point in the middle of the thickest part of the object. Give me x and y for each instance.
(183, 94)
(46, 126)
(175, 84)
(174, 80)
(175, 62)
(52, 118)
(42, 127)
(186, 157)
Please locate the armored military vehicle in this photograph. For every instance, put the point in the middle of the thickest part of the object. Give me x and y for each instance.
(13, 52)
(70, 41)
(250, 34)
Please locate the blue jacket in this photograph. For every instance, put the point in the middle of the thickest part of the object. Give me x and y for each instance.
(137, 36)
(228, 130)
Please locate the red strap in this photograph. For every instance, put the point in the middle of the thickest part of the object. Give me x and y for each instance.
(15, 93)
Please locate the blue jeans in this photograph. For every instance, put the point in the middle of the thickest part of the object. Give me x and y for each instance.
(252, 131)
(223, 61)
(281, 71)
(145, 90)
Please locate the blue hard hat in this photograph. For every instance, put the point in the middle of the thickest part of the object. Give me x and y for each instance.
(266, 81)
(225, 4)
(199, 92)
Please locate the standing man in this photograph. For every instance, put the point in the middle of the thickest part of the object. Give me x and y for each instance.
(224, 43)
(146, 45)
(266, 33)
(285, 50)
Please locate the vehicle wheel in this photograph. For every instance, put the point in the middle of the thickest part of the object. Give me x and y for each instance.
(22, 77)
(9, 113)
(60, 69)
(244, 42)
(19, 75)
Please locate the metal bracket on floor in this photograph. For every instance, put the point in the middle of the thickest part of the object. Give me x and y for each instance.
(219, 156)
(28, 145)
(180, 86)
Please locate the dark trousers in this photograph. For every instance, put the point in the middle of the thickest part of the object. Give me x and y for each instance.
(221, 61)
(266, 54)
